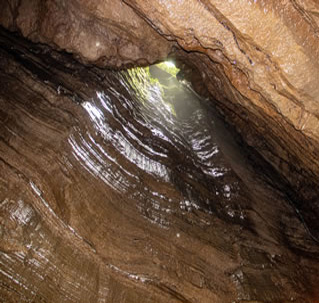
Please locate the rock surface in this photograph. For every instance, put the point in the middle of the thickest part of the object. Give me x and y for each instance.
(261, 65)
(105, 32)
(258, 59)
(106, 195)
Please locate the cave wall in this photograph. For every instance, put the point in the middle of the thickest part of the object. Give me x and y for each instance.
(258, 59)
(107, 33)
(261, 65)
(81, 222)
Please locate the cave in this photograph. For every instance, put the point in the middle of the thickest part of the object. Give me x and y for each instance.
(159, 151)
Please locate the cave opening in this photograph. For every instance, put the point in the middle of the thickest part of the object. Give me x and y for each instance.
(118, 185)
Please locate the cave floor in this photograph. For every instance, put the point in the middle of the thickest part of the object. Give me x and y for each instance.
(125, 187)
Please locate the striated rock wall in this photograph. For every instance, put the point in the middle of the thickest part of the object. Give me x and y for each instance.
(106, 196)
(259, 60)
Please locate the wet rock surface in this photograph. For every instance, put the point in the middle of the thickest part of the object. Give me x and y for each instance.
(258, 60)
(117, 188)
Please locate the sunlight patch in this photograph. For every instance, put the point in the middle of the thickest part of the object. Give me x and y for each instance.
(169, 67)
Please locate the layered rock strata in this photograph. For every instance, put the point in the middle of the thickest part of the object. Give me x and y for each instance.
(106, 195)
(258, 59)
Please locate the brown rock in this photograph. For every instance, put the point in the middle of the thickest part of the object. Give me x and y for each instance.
(258, 60)
(260, 57)
(103, 200)
(107, 33)
(261, 65)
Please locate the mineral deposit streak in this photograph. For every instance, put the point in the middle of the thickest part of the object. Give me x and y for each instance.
(123, 187)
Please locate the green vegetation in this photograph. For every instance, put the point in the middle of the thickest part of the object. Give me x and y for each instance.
(169, 67)
(143, 84)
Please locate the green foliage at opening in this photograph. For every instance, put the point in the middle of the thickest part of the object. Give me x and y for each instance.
(142, 83)
(168, 67)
